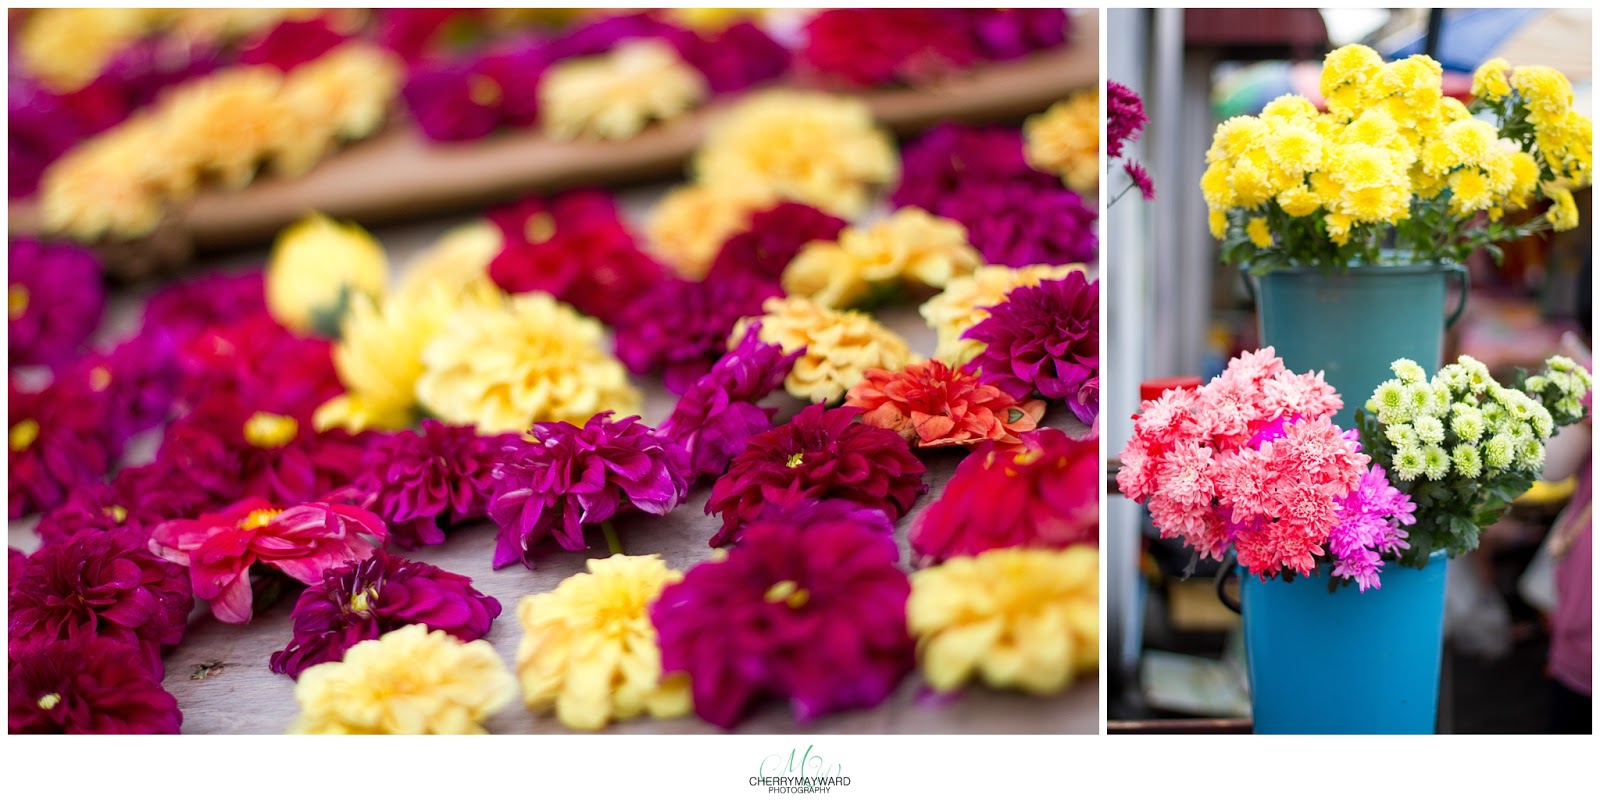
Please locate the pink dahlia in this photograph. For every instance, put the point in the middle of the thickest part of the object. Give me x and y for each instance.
(716, 416)
(293, 42)
(933, 405)
(868, 47)
(59, 441)
(561, 478)
(188, 308)
(105, 583)
(772, 240)
(576, 248)
(821, 454)
(681, 327)
(302, 541)
(1044, 340)
(55, 300)
(811, 607)
(468, 99)
(87, 685)
(140, 377)
(421, 482)
(362, 600)
(1044, 494)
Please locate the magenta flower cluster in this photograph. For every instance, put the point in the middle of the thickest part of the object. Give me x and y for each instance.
(1045, 340)
(715, 417)
(1014, 215)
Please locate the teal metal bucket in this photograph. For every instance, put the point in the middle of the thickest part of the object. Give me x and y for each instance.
(1352, 325)
(1345, 662)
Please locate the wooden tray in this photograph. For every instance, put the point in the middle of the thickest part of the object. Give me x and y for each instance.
(399, 175)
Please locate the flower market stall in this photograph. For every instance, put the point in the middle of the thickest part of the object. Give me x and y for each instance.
(804, 443)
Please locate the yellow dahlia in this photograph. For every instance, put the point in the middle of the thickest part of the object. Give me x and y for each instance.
(317, 267)
(532, 359)
(1019, 618)
(817, 149)
(589, 647)
(689, 226)
(961, 305)
(615, 95)
(840, 345)
(910, 245)
(343, 95)
(223, 125)
(66, 48)
(456, 267)
(107, 185)
(1065, 140)
(410, 681)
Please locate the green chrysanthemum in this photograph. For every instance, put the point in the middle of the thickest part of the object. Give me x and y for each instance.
(1419, 398)
(1530, 454)
(1400, 435)
(1389, 402)
(1435, 462)
(1408, 371)
(1467, 462)
(1499, 451)
(1408, 462)
(1429, 429)
(1467, 422)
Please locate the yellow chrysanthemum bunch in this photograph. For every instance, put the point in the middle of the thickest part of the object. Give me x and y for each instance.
(840, 345)
(910, 246)
(817, 149)
(1392, 154)
(589, 647)
(411, 681)
(687, 228)
(1065, 140)
(1023, 618)
(961, 305)
(529, 359)
(614, 96)
(218, 129)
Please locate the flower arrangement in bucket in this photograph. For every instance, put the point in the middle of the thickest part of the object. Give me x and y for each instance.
(1252, 463)
(1394, 170)
(1462, 446)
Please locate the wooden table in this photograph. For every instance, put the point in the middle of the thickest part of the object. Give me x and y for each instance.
(219, 673)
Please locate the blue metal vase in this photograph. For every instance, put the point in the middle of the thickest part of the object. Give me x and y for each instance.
(1345, 662)
(1352, 325)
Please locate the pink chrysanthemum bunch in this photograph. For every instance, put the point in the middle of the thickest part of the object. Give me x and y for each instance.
(1252, 462)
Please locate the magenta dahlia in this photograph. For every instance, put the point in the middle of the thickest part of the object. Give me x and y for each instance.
(1043, 340)
(811, 607)
(422, 482)
(293, 42)
(87, 685)
(561, 478)
(105, 583)
(1003, 34)
(187, 308)
(55, 299)
(59, 440)
(734, 58)
(772, 240)
(258, 361)
(681, 327)
(362, 600)
(716, 416)
(820, 454)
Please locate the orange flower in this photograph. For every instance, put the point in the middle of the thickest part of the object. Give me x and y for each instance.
(933, 405)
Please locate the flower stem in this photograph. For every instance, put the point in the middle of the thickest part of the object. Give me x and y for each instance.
(613, 542)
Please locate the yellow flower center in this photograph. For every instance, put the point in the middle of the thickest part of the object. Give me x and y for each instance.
(49, 701)
(1028, 457)
(259, 518)
(268, 431)
(17, 300)
(789, 593)
(99, 378)
(483, 90)
(539, 228)
(117, 513)
(362, 601)
(795, 460)
(22, 435)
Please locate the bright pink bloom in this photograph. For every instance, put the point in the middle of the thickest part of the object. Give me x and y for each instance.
(715, 418)
(87, 685)
(292, 43)
(772, 240)
(422, 482)
(1044, 494)
(302, 541)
